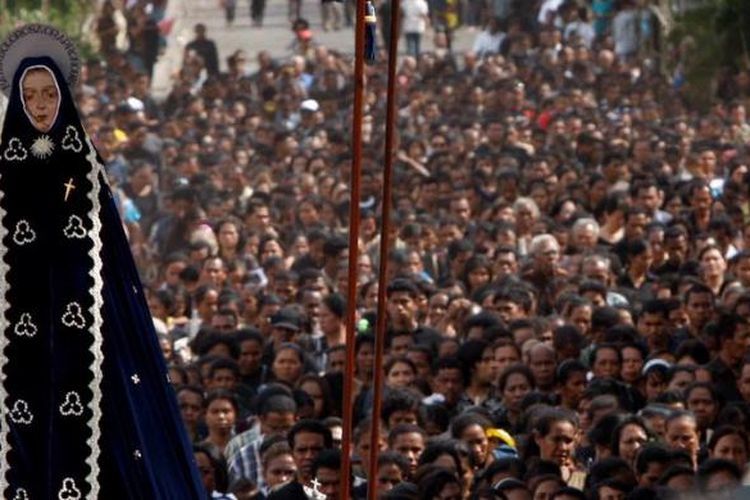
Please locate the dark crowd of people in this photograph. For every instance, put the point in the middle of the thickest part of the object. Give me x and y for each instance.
(568, 292)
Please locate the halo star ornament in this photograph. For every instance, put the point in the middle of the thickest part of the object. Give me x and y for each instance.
(35, 40)
(43, 147)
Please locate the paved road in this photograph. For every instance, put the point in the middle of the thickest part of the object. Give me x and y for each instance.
(275, 35)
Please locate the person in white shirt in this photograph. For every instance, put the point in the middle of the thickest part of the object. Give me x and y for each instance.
(414, 23)
(580, 26)
(548, 11)
(490, 39)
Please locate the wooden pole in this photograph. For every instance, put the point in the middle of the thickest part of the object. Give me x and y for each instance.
(390, 131)
(354, 219)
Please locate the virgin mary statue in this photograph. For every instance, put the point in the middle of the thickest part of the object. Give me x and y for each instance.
(87, 408)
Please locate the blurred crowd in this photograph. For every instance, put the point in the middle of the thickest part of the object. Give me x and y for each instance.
(568, 295)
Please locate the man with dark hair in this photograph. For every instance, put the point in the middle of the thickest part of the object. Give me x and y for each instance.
(700, 199)
(681, 433)
(678, 478)
(421, 356)
(403, 311)
(307, 439)
(223, 374)
(213, 272)
(651, 463)
(568, 341)
(190, 400)
(335, 250)
(206, 298)
(251, 352)
(448, 382)
(398, 343)
(285, 323)
(459, 251)
(605, 361)
(542, 362)
(505, 262)
(400, 406)
(652, 324)
(571, 383)
(326, 473)
(699, 303)
(332, 325)
(636, 220)
(409, 441)
(361, 438)
(717, 475)
(512, 303)
(276, 416)
(314, 258)
(335, 359)
(733, 337)
(740, 267)
(676, 245)
(637, 275)
(649, 196)
(258, 216)
(480, 372)
(611, 488)
(205, 48)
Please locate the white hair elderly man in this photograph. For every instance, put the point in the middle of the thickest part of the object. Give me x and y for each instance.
(544, 266)
(544, 251)
(597, 267)
(585, 234)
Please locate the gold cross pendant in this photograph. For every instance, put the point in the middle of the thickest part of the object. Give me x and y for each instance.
(69, 186)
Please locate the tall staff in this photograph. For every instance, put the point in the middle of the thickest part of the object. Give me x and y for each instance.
(354, 218)
(390, 128)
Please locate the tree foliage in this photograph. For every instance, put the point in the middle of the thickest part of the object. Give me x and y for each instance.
(68, 15)
(711, 39)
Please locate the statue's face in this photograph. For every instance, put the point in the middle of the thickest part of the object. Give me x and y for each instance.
(41, 98)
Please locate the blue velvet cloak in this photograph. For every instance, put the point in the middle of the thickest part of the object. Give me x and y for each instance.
(88, 411)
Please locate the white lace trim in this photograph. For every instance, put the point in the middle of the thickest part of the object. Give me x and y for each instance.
(4, 341)
(95, 253)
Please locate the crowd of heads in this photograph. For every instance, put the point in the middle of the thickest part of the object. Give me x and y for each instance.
(568, 297)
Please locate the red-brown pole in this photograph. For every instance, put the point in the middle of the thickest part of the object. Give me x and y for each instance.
(390, 129)
(354, 217)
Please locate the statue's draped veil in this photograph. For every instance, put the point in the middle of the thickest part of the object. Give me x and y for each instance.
(88, 411)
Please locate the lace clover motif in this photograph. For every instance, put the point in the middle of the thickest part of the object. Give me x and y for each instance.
(69, 490)
(15, 150)
(72, 405)
(23, 234)
(25, 326)
(71, 141)
(21, 494)
(20, 413)
(75, 228)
